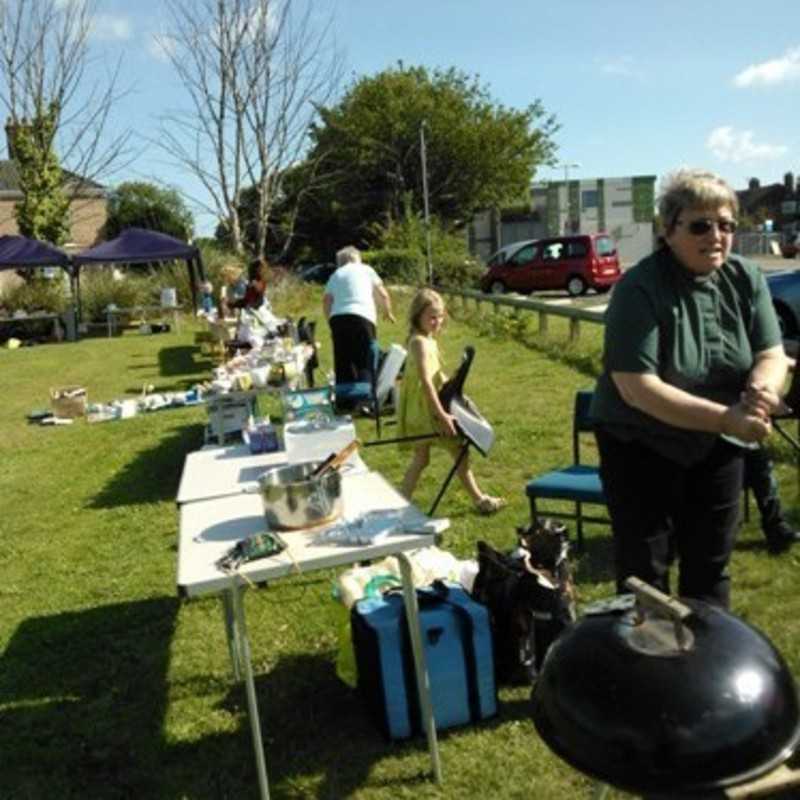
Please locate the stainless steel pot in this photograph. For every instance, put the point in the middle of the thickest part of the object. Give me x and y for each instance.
(687, 700)
(294, 498)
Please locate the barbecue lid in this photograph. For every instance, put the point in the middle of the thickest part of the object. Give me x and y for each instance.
(666, 696)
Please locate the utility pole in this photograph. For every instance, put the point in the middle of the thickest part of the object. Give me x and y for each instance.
(424, 158)
(567, 167)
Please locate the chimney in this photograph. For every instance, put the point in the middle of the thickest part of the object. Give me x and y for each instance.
(753, 184)
(788, 183)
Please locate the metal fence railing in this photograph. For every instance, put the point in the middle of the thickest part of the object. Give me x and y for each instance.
(543, 309)
(758, 244)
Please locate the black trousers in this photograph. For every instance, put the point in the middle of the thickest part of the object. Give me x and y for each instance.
(352, 348)
(661, 511)
(759, 477)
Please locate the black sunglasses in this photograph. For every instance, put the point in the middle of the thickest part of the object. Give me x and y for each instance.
(700, 227)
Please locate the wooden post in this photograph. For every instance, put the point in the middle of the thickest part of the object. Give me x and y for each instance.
(543, 323)
(574, 330)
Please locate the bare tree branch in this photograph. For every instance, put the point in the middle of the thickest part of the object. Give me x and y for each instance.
(45, 62)
(254, 72)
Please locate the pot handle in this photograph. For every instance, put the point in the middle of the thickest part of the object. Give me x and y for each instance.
(650, 598)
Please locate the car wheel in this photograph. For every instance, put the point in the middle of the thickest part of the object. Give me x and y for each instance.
(576, 286)
(787, 322)
(497, 287)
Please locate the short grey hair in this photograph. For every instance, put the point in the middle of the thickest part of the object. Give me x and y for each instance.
(347, 254)
(692, 188)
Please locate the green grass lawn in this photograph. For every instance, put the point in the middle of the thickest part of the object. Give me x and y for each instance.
(111, 687)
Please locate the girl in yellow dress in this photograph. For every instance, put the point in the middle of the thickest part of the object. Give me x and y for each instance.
(421, 411)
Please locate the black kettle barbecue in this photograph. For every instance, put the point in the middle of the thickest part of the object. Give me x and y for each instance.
(666, 696)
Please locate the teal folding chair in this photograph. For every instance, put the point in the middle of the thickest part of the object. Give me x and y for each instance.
(577, 482)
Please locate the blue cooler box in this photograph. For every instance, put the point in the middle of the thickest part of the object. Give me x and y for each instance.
(458, 651)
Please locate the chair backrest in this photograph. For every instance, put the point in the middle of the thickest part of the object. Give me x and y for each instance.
(389, 370)
(582, 421)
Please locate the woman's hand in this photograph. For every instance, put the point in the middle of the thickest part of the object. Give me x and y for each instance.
(762, 401)
(739, 421)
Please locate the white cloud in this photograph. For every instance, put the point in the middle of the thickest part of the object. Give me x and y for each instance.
(106, 27)
(728, 144)
(621, 65)
(768, 73)
(161, 46)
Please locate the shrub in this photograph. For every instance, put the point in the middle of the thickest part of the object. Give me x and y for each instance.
(37, 294)
(456, 271)
(398, 265)
(99, 288)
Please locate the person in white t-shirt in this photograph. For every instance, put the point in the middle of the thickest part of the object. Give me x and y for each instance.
(350, 302)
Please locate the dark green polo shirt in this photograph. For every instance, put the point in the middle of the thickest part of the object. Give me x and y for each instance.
(697, 333)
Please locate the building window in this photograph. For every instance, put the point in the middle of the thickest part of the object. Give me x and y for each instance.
(589, 198)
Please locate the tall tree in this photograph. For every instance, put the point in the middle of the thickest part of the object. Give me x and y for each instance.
(46, 67)
(254, 72)
(43, 212)
(479, 153)
(144, 205)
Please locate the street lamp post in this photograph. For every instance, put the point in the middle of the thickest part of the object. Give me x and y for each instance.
(423, 156)
(567, 167)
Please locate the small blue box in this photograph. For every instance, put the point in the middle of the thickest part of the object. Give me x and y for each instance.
(458, 651)
(262, 438)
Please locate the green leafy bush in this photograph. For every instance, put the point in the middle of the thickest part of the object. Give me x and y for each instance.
(38, 294)
(99, 289)
(456, 270)
(398, 265)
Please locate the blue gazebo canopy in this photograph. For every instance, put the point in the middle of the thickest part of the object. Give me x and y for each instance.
(142, 246)
(138, 246)
(18, 252)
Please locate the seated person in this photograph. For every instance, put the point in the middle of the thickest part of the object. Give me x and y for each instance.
(255, 292)
(233, 288)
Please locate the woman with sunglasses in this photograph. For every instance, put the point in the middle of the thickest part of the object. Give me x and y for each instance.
(693, 368)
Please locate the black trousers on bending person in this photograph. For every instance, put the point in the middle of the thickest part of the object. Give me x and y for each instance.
(661, 511)
(352, 348)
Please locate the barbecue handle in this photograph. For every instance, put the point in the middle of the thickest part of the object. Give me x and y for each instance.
(648, 596)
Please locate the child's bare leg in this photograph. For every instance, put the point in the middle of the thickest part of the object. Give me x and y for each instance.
(419, 461)
(467, 479)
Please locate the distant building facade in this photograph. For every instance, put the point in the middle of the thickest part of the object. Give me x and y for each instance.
(777, 202)
(622, 207)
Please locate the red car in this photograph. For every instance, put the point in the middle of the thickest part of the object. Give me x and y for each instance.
(575, 263)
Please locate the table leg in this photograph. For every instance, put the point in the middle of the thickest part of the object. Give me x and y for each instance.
(420, 667)
(232, 633)
(250, 689)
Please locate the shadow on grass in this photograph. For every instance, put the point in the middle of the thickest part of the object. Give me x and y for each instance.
(84, 697)
(595, 563)
(182, 360)
(317, 728)
(154, 474)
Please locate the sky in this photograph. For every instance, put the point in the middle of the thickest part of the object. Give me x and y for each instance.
(639, 87)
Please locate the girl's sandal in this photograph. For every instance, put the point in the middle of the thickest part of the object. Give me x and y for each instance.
(490, 505)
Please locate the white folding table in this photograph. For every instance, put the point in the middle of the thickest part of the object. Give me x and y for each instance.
(209, 528)
(223, 471)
